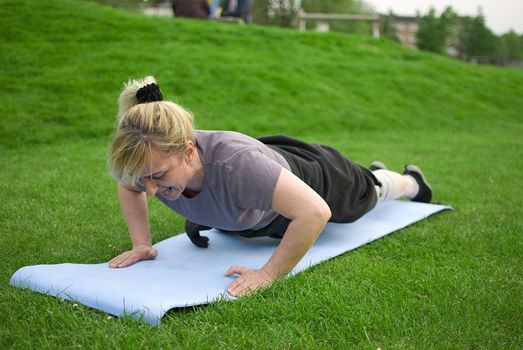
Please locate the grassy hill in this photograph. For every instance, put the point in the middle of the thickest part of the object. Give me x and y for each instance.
(451, 281)
(63, 63)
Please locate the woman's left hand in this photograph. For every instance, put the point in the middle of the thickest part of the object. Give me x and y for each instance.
(249, 281)
(308, 213)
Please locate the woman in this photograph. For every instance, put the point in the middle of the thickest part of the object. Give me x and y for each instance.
(275, 186)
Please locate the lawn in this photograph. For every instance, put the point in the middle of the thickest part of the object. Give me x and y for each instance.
(452, 281)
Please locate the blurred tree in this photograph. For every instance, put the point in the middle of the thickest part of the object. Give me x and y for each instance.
(388, 28)
(260, 11)
(283, 12)
(501, 51)
(477, 42)
(431, 33)
(449, 26)
(514, 47)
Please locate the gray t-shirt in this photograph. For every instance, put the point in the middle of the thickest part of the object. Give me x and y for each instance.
(240, 175)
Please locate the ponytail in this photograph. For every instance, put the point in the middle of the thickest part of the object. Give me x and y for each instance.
(146, 122)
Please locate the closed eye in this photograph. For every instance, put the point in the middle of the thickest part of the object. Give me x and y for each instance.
(157, 176)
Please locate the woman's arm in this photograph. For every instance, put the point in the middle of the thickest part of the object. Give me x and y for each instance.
(134, 210)
(308, 213)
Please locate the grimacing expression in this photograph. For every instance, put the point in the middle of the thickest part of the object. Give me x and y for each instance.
(166, 175)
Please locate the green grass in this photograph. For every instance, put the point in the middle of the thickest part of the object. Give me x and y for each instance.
(452, 281)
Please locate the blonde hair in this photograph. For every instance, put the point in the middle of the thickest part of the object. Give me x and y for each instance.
(159, 125)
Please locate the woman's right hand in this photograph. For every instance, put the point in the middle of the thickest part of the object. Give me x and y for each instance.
(140, 252)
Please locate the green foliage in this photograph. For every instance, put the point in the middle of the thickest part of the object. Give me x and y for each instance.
(477, 41)
(431, 35)
(283, 12)
(501, 51)
(468, 37)
(514, 46)
(388, 28)
(449, 26)
(452, 281)
(259, 11)
(509, 49)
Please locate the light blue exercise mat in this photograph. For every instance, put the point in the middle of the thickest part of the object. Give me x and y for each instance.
(185, 275)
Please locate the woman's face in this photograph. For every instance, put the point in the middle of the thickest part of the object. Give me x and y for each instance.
(169, 175)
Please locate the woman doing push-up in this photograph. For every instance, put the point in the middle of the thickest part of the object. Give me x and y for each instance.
(270, 186)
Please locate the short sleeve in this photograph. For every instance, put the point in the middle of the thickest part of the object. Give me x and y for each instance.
(252, 179)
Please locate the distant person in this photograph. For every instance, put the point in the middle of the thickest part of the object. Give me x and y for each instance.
(271, 186)
(214, 8)
(237, 8)
(191, 8)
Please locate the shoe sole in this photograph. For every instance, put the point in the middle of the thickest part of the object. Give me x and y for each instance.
(377, 165)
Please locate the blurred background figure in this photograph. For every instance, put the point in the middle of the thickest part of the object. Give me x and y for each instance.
(236, 8)
(215, 4)
(191, 8)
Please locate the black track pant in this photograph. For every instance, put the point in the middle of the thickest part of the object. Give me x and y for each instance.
(348, 188)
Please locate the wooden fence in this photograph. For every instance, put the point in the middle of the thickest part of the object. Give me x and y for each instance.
(374, 19)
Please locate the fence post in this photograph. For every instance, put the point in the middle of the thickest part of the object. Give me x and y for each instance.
(376, 29)
(301, 20)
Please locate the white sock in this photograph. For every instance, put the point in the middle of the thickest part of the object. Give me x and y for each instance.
(395, 185)
(414, 186)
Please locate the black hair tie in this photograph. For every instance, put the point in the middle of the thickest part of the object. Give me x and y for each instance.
(149, 93)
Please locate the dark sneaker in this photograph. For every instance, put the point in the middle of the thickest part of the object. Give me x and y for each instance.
(425, 191)
(377, 165)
